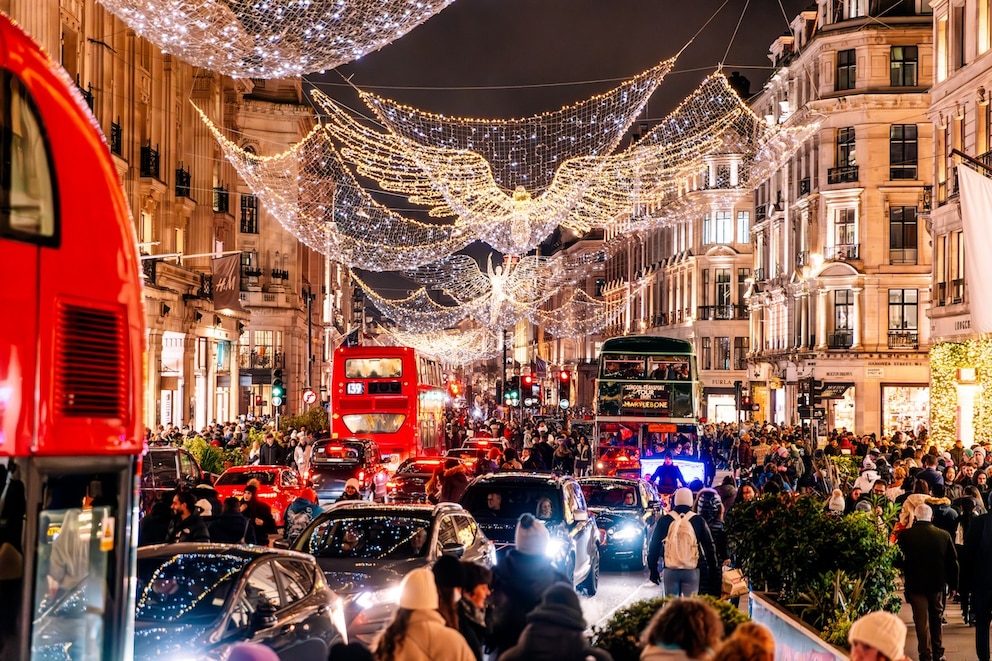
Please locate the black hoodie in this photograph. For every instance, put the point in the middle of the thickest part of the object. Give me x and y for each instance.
(519, 581)
(555, 631)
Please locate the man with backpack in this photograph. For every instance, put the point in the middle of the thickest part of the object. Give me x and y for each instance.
(685, 542)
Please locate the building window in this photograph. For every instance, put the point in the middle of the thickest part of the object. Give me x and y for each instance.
(742, 276)
(743, 227)
(722, 277)
(903, 66)
(707, 229)
(740, 353)
(845, 230)
(723, 227)
(846, 69)
(846, 156)
(706, 287)
(723, 353)
(249, 214)
(902, 235)
(707, 353)
(902, 151)
(903, 309)
(843, 310)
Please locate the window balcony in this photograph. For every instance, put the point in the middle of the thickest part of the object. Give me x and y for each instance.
(904, 339)
(940, 299)
(804, 187)
(957, 290)
(149, 161)
(759, 274)
(842, 252)
(760, 213)
(721, 312)
(222, 200)
(266, 360)
(840, 340)
(183, 183)
(87, 93)
(802, 258)
(844, 175)
(116, 138)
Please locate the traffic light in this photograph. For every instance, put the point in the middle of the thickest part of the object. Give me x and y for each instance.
(528, 380)
(512, 394)
(278, 387)
(802, 401)
(564, 385)
(746, 402)
(738, 388)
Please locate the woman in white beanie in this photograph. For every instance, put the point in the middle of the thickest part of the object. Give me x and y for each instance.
(837, 504)
(878, 636)
(418, 632)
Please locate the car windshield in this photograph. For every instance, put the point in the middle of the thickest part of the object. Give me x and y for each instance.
(191, 588)
(337, 453)
(241, 478)
(608, 494)
(419, 466)
(369, 536)
(509, 501)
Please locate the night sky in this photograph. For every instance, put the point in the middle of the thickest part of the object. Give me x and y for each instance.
(538, 55)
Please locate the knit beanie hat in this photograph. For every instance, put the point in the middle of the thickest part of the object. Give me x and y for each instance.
(882, 630)
(352, 482)
(532, 536)
(418, 591)
(560, 605)
(836, 503)
(252, 652)
(683, 496)
(449, 572)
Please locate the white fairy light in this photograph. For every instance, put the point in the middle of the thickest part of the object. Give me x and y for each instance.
(274, 38)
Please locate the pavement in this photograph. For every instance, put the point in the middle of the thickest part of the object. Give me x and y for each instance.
(959, 638)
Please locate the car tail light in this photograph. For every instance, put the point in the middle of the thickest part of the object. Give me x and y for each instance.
(361, 476)
(392, 485)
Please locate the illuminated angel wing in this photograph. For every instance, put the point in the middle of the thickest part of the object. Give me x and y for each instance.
(458, 276)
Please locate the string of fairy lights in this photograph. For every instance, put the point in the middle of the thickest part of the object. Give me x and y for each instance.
(274, 38)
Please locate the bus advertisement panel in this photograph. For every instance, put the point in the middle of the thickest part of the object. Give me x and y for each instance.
(647, 404)
(393, 395)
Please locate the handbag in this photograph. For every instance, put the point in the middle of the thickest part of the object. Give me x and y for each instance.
(734, 584)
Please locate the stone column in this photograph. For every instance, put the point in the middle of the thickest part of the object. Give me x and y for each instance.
(153, 391)
(189, 389)
(803, 320)
(821, 319)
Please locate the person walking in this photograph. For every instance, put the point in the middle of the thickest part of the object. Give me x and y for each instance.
(929, 565)
(555, 631)
(187, 526)
(271, 453)
(231, 526)
(977, 550)
(685, 542)
(878, 636)
(583, 457)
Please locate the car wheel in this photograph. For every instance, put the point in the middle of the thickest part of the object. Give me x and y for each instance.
(637, 564)
(591, 584)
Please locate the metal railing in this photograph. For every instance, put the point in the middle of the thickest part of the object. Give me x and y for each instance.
(957, 290)
(842, 175)
(901, 339)
(941, 297)
(760, 213)
(87, 93)
(222, 199)
(149, 161)
(902, 255)
(840, 340)
(842, 251)
(252, 360)
(802, 258)
(759, 274)
(183, 182)
(902, 172)
(721, 312)
(804, 186)
(116, 137)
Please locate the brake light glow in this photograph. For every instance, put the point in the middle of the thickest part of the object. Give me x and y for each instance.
(391, 485)
(361, 476)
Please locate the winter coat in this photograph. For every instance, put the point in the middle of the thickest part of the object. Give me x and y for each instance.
(655, 653)
(232, 529)
(473, 625)
(190, 529)
(271, 455)
(545, 639)
(519, 580)
(710, 579)
(453, 484)
(945, 517)
(428, 639)
(929, 561)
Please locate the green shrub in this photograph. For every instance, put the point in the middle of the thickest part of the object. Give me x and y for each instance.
(210, 458)
(830, 569)
(314, 419)
(621, 634)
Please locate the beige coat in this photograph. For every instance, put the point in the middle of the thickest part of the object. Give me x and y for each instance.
(428, 639)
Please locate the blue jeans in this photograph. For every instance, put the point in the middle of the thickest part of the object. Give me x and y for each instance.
(680, 582)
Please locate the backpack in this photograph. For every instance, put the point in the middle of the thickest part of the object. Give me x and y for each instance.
(681, 547)
(296, 523)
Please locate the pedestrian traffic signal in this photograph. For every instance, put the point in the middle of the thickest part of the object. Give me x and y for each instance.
(278, 386)
(803, 400)
(564, 376)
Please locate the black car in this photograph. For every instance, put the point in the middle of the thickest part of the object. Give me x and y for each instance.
(407, 485)
(335, 461)
(557, 500)
(196, 601)
(164, 469)
(626, 510)
(365, 550)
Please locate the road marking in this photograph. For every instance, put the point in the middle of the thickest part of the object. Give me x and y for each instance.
(625, 602)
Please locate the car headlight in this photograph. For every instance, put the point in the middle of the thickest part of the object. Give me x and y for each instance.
(554, 548)
(378, 597)
(624, 533)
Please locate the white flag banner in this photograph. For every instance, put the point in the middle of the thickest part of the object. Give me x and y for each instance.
(976, 218)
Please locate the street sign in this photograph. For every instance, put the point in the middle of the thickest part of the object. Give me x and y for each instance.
(563, 404)
(309, 396)
(277, 401)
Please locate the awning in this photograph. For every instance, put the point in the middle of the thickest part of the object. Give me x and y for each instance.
(834, 390)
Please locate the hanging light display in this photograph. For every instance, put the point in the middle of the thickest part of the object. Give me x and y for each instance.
(272, 38)
(452, 347)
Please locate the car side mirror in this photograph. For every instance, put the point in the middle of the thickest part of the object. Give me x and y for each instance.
(281, 544)
(580, 515)
(453, 548)
(264, 617)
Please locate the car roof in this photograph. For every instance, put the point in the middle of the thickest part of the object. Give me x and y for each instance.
(349, 439)
(517, 476)
(258, 468)
(247, 551)
(418, 509)
(603, 478)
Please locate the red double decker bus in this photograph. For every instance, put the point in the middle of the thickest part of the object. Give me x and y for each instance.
(393, 395)
(71, 353)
